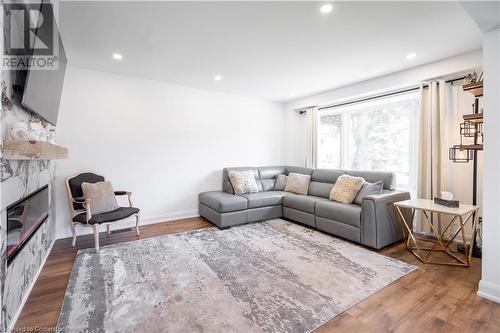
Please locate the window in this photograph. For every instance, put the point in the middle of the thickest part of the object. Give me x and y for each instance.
(378, 135)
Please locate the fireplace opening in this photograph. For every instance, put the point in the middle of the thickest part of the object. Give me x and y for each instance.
(24, 217)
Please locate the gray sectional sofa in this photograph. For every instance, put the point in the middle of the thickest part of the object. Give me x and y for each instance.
(373, 223)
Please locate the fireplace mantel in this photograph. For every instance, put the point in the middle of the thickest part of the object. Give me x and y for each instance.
(33, 150)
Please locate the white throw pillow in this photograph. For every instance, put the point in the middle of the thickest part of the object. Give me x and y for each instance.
(346, 188)
(243, 182)
(297, 183)
(102, 197)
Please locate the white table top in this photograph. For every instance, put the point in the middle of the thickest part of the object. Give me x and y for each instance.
(429, 205)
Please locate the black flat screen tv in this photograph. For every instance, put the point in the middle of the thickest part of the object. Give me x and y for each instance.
(39, 90)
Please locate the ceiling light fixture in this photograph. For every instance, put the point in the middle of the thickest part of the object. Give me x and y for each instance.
(217, 77)
(411, 56)
(327, 8)
(117, 56)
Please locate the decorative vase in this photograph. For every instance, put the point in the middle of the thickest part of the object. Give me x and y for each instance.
(37, 132)
(51, 136)
(20, 131)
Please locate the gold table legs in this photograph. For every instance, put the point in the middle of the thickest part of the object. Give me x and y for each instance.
(440, 244)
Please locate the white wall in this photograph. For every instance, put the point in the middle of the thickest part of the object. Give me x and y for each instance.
(489, 286)
(296, 125)
(165, 143)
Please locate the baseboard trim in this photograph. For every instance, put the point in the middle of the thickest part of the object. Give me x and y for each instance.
(28, 291)
(489, 291)
(145, 220)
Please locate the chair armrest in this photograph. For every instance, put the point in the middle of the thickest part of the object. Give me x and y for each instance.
(88, 210)
(380, 225)
(78, 199)
(117, 193)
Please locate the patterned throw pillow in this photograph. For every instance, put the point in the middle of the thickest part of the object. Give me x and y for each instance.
(243, 182)
(368, 189)
(101, 195)
(346, 188)
(280, 182)
(297, 183)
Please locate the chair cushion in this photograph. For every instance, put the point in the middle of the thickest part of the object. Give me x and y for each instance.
(223, 202)
(101, 195)
(263, 199)
(115, 215)
(300, 202)
(336, 211)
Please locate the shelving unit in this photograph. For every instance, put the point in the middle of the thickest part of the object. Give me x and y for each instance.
(475, 88)
(33, 150)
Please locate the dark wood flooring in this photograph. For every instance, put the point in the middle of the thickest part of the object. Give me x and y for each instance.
(434, 298)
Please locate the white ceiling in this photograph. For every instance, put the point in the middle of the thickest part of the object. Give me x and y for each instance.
(263, 49)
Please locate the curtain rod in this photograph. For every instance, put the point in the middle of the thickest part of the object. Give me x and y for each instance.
(392, 93)
(397, 92)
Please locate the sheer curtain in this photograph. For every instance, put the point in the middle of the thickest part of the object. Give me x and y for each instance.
(432, 145)
(312, 137)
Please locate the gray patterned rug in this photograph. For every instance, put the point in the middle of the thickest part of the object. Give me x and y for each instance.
(274, 276)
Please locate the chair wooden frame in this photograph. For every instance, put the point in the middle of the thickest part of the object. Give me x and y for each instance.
(87, 204)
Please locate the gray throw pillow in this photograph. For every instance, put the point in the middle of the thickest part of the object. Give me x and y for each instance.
(280, 182)
(368, 189)
(101, 195)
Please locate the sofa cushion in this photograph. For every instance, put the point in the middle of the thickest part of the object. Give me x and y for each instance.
(301, 170)
(326, 175)
(300, 202)
(336, 211)
(297, 183)
(280, 182)
(263, 199)
(320, 189)
(271, 172)
(368, 189)
(243, 182)
(346, 188)
(226, 184)
(388, 178)
(223, 202)
(268, 184)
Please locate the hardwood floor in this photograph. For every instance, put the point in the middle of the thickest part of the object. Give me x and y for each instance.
(432, 299)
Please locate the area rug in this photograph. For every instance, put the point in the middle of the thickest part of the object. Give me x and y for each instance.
(273, 276)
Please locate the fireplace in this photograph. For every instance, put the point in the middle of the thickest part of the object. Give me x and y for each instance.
(24, 217)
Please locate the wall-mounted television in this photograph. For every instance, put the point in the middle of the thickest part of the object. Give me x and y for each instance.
(39, 90)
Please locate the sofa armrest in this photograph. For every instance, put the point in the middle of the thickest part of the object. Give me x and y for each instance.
(380, 225)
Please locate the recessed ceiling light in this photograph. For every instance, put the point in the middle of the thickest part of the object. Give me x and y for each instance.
(117, 56)
(325, 9)
(411, 56)
(217, 77)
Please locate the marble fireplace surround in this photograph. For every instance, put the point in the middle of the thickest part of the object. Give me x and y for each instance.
(19, 178)
(19, 276)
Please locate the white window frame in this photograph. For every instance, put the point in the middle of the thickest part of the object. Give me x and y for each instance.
(346, 111)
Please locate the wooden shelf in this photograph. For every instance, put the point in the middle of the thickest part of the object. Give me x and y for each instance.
(475, 88)
(474, 117)
(33, 150)
(473, 147)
